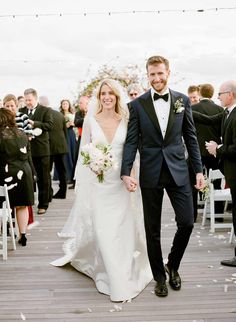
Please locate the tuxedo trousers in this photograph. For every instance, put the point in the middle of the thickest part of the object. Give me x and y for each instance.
(42, 167)
(182, 202)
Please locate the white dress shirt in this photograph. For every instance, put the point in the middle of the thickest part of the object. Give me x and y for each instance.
(162, 109)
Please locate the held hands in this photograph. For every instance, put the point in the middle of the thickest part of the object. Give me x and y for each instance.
(211, 147)
(130, 183)
(200, 181)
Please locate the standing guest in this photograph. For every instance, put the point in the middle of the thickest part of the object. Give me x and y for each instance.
(43, 100)
(40, 117)
(206, 133)
(226, 151)
(22, 122)
(158, 121)
(78, 122)
(108, 241)
(15, 169)
(67, 110)
(134, 90)
(58, 150)
(20, 101)
(193, 94)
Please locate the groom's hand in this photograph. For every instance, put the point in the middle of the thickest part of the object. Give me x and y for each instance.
(200, 181)
(130, 183)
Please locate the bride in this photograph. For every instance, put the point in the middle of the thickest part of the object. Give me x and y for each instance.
(105, 229)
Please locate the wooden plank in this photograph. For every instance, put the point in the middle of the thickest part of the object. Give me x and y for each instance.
(41, 292)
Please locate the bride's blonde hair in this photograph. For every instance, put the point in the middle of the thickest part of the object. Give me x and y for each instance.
(121, 106)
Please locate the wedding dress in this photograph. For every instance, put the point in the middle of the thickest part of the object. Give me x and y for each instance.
(105, 225)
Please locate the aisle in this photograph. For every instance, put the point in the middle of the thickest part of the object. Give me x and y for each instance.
(33, 290)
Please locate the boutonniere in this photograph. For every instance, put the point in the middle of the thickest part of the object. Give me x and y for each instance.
(179, 105)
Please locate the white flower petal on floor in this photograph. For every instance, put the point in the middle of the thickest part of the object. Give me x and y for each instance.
(22, 316)
(6, 168)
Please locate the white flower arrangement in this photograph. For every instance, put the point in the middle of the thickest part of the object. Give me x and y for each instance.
(98, 158)
(179, 106)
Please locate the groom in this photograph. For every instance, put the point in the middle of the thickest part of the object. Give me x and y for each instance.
(159, 121)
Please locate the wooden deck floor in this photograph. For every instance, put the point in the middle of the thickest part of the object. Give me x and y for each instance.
(33, 290)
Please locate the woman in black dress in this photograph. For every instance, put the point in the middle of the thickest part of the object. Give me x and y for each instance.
(15, 169)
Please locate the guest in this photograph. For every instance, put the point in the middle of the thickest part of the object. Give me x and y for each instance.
(109, 242)
(15, 169)
(78, 122)
(134, 90)
(22, 122)
(20, 102)
(159, 119)
(193, 94)
(58, 150)
(67, 110)
(40, 117)
(43, 100)
(206, 133)
(226, 151)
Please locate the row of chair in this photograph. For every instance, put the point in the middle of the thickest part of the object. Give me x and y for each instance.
(5, 219)
(209, 203)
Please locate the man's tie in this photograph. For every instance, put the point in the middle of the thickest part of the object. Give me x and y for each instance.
(226, 111)
(30, 114)
(164, 97)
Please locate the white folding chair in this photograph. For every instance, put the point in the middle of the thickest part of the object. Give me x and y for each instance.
(215, 195)
(231, 235)
(6, 217)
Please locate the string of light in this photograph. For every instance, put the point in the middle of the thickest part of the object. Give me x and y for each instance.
(109, 13)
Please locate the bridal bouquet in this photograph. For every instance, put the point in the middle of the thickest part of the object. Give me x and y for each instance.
(98, 158)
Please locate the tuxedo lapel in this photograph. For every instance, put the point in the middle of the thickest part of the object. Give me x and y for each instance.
(173, 99)
(148, 107)
(225, 122)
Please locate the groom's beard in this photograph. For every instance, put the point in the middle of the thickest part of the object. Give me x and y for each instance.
(159, 86)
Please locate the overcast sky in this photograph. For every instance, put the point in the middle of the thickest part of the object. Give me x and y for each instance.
(54, 54)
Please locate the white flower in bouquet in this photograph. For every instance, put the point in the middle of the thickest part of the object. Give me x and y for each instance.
(98, 158)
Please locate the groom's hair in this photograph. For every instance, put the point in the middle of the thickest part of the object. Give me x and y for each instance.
(155, 60)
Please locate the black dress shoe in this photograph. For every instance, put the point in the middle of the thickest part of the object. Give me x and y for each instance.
(229, 262)
(161, 289)
(174, 278)
(59, 196)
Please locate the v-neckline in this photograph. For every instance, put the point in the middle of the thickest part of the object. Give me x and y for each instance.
(110, 143)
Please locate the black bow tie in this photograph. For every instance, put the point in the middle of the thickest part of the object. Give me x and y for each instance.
(164, 97)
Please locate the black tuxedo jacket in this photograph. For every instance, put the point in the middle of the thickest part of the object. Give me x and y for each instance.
(144, 132)
(58, 134)
(207, 132)
(227, 152)
(42, 119)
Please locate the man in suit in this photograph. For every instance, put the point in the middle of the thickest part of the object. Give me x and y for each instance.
(58, 150)
(206, 133)
(193, 94)
(159, 121)
(226, 151)
(40, 117)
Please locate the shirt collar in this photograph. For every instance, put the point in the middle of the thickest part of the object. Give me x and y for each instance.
(167, 91)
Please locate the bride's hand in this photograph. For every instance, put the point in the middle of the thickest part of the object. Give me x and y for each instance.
(130, 183)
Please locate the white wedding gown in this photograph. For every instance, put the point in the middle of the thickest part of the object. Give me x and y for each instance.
(105, 226)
